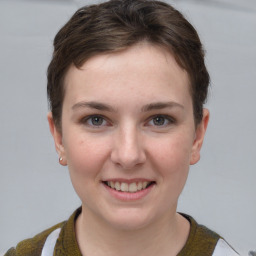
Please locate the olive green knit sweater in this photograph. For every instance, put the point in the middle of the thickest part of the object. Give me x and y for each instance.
(201, 241)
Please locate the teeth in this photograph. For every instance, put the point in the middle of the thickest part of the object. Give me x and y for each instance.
(139, 186)
(125, 187)
(117, 186)
(112, 184)
(144, 184)
(133, 187)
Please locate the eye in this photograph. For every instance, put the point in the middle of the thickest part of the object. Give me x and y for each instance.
(95, 120)
(161, 120)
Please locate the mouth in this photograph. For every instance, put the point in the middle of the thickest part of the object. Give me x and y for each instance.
(132, 187)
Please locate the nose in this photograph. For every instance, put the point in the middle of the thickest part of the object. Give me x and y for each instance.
(128, 151)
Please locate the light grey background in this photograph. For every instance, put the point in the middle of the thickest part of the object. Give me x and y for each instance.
(35, 192)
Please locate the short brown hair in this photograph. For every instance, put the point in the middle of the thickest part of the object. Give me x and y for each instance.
(116, 25)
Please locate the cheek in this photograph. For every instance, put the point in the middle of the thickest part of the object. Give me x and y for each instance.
(85, 155)
(173, 153)
(171, 161)
(86, 158)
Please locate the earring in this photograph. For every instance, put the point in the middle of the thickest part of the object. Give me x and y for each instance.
(60, 159)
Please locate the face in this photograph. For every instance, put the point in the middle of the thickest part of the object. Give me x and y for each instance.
(128, 135)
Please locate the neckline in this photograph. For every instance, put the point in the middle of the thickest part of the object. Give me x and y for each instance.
(193, 227)
(71, 246)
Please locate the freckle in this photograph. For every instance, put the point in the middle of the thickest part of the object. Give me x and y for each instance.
(81, 142)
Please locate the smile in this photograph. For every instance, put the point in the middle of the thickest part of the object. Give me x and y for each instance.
(129, 187)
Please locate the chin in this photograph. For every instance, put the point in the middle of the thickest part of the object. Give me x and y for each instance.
(130, 220)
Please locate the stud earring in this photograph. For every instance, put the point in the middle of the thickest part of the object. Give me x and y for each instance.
(60, 159)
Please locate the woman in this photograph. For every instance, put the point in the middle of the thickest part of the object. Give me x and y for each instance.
(126, 87)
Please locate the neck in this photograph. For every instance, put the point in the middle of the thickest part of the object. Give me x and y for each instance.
(164, 237)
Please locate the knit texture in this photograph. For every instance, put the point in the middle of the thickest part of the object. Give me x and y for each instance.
(201, 240)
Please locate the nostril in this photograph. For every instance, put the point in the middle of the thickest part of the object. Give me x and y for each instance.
(128, 150)
(128, 161)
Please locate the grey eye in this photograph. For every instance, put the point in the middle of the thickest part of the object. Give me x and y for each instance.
(96, 120)
(159, 120)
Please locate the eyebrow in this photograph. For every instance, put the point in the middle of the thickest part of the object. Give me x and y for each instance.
(106, 107)
(161, 105)
(93, 105)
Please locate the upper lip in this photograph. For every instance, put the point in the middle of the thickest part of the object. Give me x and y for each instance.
(129, 181)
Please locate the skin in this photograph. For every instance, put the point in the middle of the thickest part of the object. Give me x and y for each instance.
(129, 115)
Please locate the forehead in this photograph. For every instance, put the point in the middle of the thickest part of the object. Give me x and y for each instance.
(144, 69)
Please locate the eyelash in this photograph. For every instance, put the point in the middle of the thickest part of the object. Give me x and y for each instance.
(167, 121)
(88, 119)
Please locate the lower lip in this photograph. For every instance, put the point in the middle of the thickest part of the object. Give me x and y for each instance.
(127, 196)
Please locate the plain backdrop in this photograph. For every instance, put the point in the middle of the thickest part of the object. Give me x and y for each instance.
(35, 191)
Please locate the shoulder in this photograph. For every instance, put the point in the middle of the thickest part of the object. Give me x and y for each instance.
(223, 248)
(212, 240)
(66, 239)
(32, 246)
(203, 241)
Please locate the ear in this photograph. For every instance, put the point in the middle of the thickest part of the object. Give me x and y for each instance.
(199, 137)
(57, 136)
